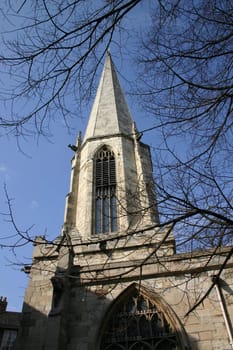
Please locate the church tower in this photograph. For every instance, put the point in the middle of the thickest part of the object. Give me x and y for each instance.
(112, 280)
(111, 171)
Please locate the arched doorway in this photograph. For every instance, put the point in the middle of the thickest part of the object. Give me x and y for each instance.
(140, 320)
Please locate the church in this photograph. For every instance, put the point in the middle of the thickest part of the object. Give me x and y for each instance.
(113, 279)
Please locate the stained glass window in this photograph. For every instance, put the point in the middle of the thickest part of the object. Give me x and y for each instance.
(137, 324)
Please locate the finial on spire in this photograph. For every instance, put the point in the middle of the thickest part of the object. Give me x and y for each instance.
(79, 139)
(78, 143)
(137, 134)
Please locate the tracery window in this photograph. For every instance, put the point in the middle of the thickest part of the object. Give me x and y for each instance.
(138, 325)
(105, 192)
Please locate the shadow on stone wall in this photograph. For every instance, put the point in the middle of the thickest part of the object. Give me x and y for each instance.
(79, 324)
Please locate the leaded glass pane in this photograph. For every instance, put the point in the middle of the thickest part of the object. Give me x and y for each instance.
(166, 344)
(115, 347)
(145, 327)
(140, 346)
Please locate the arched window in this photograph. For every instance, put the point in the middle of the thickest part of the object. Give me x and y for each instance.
(105, 192)
(137, 323)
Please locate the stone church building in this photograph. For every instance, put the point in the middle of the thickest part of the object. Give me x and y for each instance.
(113, 280)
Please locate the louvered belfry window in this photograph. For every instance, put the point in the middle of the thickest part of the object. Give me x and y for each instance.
(105, 192)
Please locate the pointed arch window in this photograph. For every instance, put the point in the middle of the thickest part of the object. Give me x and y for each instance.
(105, 192)
(136, 323)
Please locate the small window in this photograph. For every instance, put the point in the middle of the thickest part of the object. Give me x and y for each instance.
(105, 192)
(8, 339)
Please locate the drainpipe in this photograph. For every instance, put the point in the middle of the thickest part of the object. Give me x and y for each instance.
(223, 306)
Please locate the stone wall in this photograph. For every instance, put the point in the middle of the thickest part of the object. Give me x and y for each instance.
(94, 278)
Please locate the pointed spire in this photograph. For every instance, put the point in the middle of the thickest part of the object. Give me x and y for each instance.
(110, 114)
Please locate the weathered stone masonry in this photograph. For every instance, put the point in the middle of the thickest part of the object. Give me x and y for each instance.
(126, 289)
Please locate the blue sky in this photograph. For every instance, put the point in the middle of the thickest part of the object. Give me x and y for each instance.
(38, 183)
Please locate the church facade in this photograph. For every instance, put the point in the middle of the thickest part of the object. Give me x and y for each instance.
(113, 280)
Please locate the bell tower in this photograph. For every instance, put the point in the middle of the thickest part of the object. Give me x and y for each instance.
(112, 187)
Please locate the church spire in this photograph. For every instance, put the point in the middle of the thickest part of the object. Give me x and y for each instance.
(110, 114)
